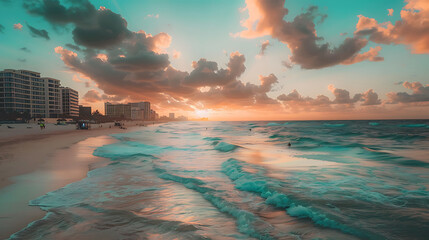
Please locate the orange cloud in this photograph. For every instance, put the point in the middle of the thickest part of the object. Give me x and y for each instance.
(411, 30)
(371, 55)
(17, 26)
(390, 12)
(176, 54)
(266, 17)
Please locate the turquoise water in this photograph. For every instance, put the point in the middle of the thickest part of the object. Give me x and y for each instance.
(241, 180)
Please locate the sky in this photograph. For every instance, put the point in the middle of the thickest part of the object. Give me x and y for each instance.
(230, 60)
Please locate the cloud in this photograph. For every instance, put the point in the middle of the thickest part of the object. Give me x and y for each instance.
(176, 54)
(152, 16)
(264, 47)
(93, 96)
(342, 96)
(74, 47)
(370, 98)
(1, 28)
(412, 30)
(25, 49)
(390, 12)
(287, 64)
(38, 32)
(92, 28)
(420, 94)
(266, 17)
(17, 26)
(371, 55)
(341, 101)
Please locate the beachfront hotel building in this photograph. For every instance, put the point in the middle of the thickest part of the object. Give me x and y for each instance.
(134, 111)
(70, 99)
(53, 97)
(171, 116)
(25, 91)
(117, 110)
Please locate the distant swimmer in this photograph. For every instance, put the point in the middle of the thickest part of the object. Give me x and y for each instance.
(289, 144)
(250, 129)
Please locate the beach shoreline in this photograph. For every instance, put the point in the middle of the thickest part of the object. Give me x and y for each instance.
(32, 165)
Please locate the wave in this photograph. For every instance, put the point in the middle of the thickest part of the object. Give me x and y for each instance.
(374, 123)
(246, 221)
(225, 147)
(250, 182)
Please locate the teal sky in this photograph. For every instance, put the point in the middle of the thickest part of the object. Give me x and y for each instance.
(204, 29)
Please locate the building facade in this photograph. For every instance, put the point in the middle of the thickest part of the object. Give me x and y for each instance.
(85, 112)
(22, 91)
(70, 102)
(146, 111)
(53, 97)
(117, 110)
(171, 116)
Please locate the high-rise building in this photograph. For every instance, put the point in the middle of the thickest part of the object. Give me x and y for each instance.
(137, 111)
(25, 91)
(171, 116)
(22, 91)
(153, 115)
(53, 97)
(146, 110)
(117, 110)
(70, 102)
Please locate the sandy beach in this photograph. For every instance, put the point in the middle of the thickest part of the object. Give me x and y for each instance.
(34, 162)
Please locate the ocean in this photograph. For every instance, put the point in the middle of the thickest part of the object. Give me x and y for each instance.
(241, 180)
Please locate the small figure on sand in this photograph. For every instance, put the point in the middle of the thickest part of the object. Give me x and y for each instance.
(42, 126)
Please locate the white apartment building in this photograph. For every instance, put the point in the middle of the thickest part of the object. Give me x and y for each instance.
(53, 97)
(25, 91)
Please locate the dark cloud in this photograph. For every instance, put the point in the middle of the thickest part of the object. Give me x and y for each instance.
(38, 32)
(370, 98)
(267, 17)
(342, 100)
(93, 96)
(80, 12)
(264, 47)
(206, 73)
(287, 64)
(92, 28)
(74, 47)
(169, 86)
(25, 49)
(342, 96)
(1, 28)
(105, 30)
(420, 94)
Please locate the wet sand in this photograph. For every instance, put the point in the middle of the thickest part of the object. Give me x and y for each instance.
(32, 165)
